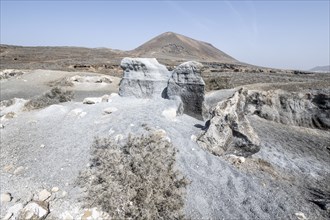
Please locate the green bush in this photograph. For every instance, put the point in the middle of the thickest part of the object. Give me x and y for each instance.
(135, 181)
(54, 96)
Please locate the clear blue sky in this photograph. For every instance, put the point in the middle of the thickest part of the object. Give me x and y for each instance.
(284, 34)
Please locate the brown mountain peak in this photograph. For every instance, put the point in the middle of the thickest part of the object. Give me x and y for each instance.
(173, 46)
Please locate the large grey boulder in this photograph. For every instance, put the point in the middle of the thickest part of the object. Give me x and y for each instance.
(187, 85)
(143, 78)
(300, 109)
(229, 131)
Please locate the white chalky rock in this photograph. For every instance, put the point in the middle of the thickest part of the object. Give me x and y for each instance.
(43, 195)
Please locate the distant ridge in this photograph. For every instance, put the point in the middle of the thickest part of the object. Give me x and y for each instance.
(321, 69)
(170, 45)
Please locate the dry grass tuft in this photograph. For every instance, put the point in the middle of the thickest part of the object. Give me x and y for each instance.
(137, 180)
(54, 96)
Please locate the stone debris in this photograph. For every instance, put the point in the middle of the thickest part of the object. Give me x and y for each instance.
(112, 95)
(235, 160)
(67, 216)
(9, 73)
(119, 137)
(170, 113)
(13, 211)
(90, 79)
(300, 216)
(35, 210)
(55, 189)
(8, 216)
(18, 170)
(64, 194)
(43, 195)
(5, 197)
(9, 168)
(193, 138)
(94, 214)
(78, 112)
(92, 100)
(110, 110)
(9, 115)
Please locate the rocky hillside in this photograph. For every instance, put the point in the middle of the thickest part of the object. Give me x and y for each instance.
(321, 69)
(171, 46)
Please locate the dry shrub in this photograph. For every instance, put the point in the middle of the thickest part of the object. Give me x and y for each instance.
(65, 82)
(135, 181)
(54, 96)
(217, 83)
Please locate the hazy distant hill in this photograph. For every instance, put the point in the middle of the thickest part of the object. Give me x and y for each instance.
(321, 69)
(170, 45)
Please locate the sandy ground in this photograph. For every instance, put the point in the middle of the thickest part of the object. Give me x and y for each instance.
(36, 82)
(52, 146)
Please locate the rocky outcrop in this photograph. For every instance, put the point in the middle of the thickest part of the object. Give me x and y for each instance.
(143, 78)
(187, 85)
(229, 131)
(300, 109)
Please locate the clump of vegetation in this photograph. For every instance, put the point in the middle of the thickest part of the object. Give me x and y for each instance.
(54, 96)
(135, 180)
(65, 82)
(217, 83)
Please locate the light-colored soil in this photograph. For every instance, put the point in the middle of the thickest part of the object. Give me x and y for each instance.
(53, 145)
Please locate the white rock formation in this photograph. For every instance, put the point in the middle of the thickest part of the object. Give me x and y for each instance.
(143, 78)
(187, 85)
(228, 130)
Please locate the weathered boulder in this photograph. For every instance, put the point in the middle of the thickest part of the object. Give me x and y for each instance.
(143, 78)
(35, 210)
(229, 131)
(187, 85)
(300, 109)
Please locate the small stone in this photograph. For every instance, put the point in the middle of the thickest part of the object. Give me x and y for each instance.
(193, 138)
(5, 197)
(110, 110)
(42, 146)
(18, 170)
(67, 216)
(10, 115)
(64, 194)
(169, 114)
(35, 210)
(300, 215)
(91, 101)
(13, 211)
(87, 213)
(119, 137)
(55, 189)
(8, 168)
(112, 95)
(8, 216)
(241, 159)
(105, 98)
(43, 195)
(2, 126)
